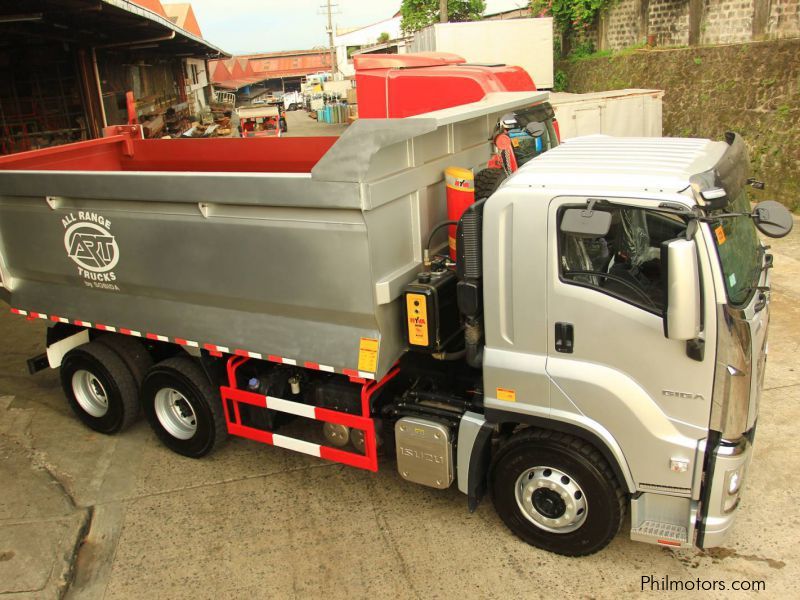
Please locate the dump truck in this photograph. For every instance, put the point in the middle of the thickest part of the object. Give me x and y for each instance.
(597, 347)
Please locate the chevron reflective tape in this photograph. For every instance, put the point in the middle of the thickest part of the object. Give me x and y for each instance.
(215, 349)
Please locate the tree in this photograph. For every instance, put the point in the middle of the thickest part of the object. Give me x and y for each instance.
(418, 14)
(570, 15)
(383, 37)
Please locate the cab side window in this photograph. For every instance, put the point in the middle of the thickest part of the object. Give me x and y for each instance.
(626, 262)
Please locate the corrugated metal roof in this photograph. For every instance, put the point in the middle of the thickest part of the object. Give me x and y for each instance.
(623, 164)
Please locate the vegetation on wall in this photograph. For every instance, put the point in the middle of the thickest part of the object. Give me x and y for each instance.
(748, 88)
(570, 15)
(418, 14)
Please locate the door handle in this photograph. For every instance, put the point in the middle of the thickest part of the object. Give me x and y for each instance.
(565, 340)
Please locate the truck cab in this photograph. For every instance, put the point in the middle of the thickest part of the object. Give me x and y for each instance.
(644, 337)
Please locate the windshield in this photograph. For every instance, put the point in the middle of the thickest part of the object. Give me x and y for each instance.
(738, 248)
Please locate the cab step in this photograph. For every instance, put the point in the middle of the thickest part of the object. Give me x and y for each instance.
(664, 534)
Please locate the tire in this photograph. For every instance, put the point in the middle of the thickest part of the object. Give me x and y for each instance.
(100, 388)
(132, 352)
(487, 181)
(183, 408)
(557, 492)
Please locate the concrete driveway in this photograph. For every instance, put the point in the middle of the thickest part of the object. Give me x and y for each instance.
(89, 516)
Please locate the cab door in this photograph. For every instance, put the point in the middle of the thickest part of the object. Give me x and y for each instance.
(608, 359)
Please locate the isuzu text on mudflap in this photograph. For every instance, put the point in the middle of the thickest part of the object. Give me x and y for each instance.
(598, 345)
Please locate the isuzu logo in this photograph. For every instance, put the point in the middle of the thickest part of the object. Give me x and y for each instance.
(91, 246)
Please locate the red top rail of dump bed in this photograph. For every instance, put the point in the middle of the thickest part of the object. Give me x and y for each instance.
(124, 150)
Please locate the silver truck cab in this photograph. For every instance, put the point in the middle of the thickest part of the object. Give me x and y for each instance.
(656, 323)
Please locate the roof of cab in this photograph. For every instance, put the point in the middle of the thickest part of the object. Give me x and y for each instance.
(622, 164)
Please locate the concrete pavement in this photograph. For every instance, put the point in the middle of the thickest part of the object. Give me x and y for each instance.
(88, 516)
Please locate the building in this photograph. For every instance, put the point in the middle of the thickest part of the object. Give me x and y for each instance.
(387, 37)
(67, 67)
(195, 70)
(254, 75)
(384, 37)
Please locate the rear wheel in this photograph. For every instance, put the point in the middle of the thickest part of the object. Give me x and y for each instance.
(99, 387)
(557, 492)
(183, 408)
(132, 353)
(487, 181)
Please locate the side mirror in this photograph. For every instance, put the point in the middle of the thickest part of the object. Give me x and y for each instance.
(682, 289)
(772, 219)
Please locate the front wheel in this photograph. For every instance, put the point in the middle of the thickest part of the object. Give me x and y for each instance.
(557, 492)
(183, 408)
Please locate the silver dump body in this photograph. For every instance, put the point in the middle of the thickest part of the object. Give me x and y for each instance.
(300, 266)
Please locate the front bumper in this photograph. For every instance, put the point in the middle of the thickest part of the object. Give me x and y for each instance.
(727, 470)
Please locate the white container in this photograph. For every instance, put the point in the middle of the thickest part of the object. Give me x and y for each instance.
(527, 43)
(337, 87)
(623, 113)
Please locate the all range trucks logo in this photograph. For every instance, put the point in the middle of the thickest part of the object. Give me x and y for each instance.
(92, 247)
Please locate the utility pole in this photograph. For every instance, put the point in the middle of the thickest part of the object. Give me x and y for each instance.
(442, 11)
(334, 68)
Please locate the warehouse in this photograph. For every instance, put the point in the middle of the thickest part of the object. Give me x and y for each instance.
(67, 67)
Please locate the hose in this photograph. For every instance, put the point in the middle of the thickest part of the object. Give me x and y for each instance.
(450, 355)
(426, 253)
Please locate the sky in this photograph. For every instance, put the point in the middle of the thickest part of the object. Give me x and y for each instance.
(249, 26)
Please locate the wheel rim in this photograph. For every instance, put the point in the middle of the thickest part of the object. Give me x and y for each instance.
(551, 499)
(175, 413)
(90, 393)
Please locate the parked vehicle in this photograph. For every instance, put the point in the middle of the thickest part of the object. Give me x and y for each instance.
(260, 121)
(293, 100)
(597, 346)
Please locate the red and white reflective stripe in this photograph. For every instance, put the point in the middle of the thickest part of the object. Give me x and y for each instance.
(293, 408)
(213, 348)
(297, 445)
(232, 397)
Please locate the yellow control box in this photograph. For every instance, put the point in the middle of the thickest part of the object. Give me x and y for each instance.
(417, 315)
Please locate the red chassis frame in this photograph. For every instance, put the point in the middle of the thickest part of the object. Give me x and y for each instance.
(232, 396)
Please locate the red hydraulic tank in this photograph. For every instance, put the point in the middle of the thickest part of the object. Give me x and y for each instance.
(460, 194)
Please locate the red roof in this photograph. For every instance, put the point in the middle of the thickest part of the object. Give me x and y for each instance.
(183, 16)
(280, 53)
(307, 64)
(241, 71)
(219, 72)
(153, 5)
(235, 67)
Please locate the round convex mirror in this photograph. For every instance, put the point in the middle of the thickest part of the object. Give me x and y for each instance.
(773, 219)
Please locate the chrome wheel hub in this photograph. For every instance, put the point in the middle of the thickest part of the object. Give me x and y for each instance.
(551, 499)
(90, 393)
(175, 413)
